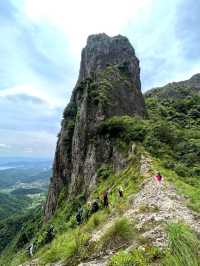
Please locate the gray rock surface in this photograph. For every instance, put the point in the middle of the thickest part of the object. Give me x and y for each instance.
(108, 85)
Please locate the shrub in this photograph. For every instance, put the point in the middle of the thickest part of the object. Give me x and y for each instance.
(183, 246)
(72, 245)
(70, 111)
(126, 127)
(181, 170)
(104, 172)
(119, 234)
(95, 220)
(165, 133)
(134, 258)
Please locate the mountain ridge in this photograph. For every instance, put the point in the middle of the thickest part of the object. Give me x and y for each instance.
(108, 142)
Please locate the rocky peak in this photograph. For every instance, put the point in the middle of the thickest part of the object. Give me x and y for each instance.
(102, 50)
(108, 85)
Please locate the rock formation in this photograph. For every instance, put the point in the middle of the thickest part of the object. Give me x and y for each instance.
(108, 85)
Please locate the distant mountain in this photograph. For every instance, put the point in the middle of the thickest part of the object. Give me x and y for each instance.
(176, 90)
(14, 172)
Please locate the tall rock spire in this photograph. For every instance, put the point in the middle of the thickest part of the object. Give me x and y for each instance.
(108, 85)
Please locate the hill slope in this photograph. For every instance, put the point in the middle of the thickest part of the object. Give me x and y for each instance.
(101, 148)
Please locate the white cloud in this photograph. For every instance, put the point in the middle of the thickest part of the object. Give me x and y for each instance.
(78, 19)
(4, 146)
(37, 142)
(31, 90)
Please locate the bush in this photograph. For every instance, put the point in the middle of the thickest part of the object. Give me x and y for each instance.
(126, 127)
(104, 172)
(137, 257)
(95, 220)
(165, 133)
(181, 170)
(183, 246)
(119, 234)
(72, 245)
(124, 259)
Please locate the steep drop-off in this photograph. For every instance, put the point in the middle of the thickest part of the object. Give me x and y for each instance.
(108, 85)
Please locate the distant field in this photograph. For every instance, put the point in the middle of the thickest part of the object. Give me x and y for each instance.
(23, 184)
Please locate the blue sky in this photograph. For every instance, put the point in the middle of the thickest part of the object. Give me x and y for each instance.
(40, 49)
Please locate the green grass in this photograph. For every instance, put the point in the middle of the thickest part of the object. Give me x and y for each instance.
(66, 246)
(191, 192)
(128, 259)
(184, 247)
(96, 220)
(119, 234)
(137, 257)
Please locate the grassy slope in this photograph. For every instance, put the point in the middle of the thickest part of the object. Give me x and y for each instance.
(172, 138)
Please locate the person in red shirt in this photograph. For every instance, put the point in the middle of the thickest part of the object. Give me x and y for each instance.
(158, 177)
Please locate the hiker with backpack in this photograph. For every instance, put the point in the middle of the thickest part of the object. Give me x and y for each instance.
(79, 215)
(120, 190)
(95, 206)
(50, 234)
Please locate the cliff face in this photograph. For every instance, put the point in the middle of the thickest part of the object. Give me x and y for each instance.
(108, 85)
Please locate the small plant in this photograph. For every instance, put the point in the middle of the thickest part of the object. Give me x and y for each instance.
(135, 258)
(104, 172)
(95, 220)
(120, 234)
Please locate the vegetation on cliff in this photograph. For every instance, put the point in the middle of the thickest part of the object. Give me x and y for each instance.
(107, 141)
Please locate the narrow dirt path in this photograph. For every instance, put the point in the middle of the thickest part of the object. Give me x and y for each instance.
(157, 204)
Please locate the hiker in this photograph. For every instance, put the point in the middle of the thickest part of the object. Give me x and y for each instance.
(158, 177)
(95, 206)
(105, 199)
(29, 250)
(50, 234)
(79, 215)
(120, 190)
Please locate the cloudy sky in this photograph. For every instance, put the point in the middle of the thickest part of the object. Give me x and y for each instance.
(40, 47)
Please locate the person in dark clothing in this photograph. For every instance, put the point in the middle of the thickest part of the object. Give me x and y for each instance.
(95, 206)
(105, 199)
(79, 216)
(120, 190)
(50, 234)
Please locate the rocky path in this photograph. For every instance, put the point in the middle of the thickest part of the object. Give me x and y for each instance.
(157, 204)
(151, 209)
